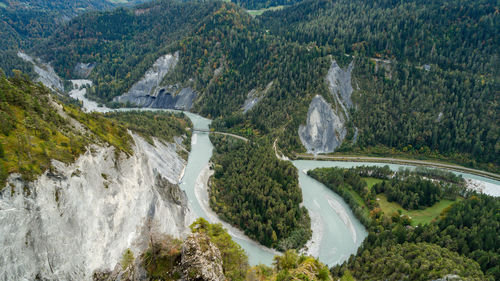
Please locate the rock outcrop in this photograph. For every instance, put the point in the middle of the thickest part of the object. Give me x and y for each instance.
(46, 74)
(148, 93)
(196, 259)
(83, 70)
(201, 259)
(324, 130)
(78, 218)
(339, 83)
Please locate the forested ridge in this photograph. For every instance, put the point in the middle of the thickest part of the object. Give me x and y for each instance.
(25, 23)
(447, 77)
(262, 4)
(468, 228)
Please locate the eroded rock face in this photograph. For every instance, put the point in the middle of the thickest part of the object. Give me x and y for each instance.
(201, 259)
(255, 96)
(83, 70)
(79, 218)
(339, 83)
(324, 130)
(148, 93)
(46, 74)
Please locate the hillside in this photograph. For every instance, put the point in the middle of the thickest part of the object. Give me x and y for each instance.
(281, 59)
(38, 128)
(24, 22)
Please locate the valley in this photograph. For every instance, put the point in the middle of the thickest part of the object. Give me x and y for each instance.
(249, 140)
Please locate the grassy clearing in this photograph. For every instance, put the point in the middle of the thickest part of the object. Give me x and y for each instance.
(417, 216)
(255, 13)
(370, 182)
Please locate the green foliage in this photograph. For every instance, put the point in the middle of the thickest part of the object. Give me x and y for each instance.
(127, 258)
(415, 192)
(347, 276)
(410, 261)
(291, 266)
(261, 4)
(235, 261)
(36, 129)
(2, 152)
(465, 34)
(162, 258)
(159, 124)
(260, 194)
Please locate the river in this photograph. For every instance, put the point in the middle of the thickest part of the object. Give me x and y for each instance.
(336, 232)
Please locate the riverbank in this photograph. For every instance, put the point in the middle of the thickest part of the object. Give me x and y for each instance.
(201, 193)
(401, 161)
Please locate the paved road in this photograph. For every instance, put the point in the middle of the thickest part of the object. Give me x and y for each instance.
(221, 133)
(401, 161)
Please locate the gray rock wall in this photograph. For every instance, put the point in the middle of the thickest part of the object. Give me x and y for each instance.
(339, 83)
(324, 130)
(81, 217)
(46, 74)
(148, 93)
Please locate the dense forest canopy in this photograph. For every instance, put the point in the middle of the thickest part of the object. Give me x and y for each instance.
(24, 23)
(447, 77)
(262, 4)
(258, 193)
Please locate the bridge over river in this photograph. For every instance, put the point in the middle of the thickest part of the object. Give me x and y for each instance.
(220, 133)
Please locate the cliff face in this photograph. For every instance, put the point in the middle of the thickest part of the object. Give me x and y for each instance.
(201, 259)
(325, 128)
(79, 218)
(339, 83)
(148, 93)
(46, 74)
(197, 258)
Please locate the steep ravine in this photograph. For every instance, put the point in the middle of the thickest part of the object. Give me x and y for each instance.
(81, 217)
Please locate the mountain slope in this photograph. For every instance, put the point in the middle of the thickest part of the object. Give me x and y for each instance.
(79, 189)
(24, 22)
(411, 93)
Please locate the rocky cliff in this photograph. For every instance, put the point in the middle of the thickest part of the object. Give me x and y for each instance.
(46, 74)
(325, 128)
(339, 83)
(78, 218)
(148, 93)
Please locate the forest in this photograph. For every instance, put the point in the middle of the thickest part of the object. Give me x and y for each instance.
(261, 4)
(258, 193)
(162, 125)
(464, 235)
(447, 77)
